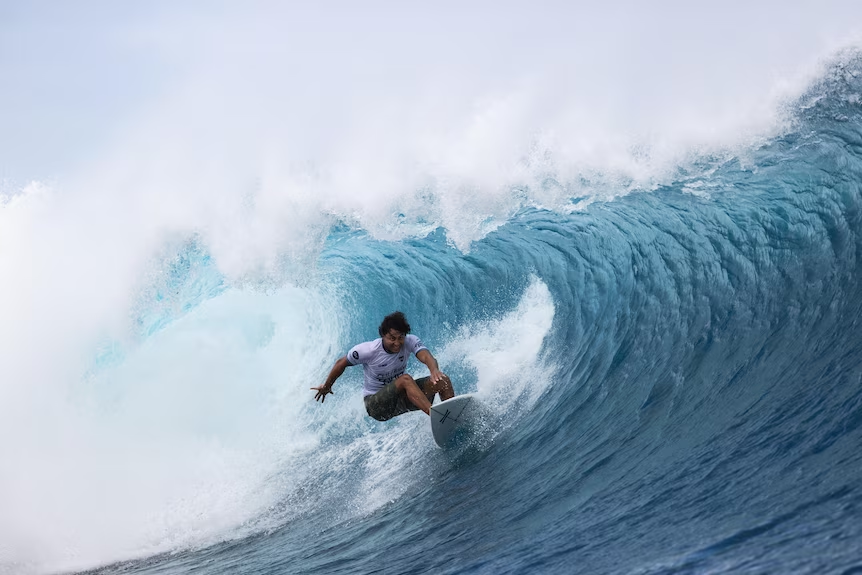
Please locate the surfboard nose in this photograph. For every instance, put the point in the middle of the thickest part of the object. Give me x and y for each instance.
(448, 415)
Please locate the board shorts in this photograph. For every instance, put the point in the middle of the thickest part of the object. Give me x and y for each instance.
(388, 403)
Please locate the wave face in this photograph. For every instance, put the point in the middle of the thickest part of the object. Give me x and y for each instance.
(673, 381)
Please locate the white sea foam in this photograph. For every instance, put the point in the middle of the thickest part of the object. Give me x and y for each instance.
(171, 446)
(507, 353)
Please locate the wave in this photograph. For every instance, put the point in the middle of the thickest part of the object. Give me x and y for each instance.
(673, 376)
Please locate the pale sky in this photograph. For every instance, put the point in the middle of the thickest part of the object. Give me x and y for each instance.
(76, 75)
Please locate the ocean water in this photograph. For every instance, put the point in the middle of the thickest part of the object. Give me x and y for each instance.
(671, 378)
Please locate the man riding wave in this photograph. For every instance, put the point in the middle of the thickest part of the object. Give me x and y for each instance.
(387, 390)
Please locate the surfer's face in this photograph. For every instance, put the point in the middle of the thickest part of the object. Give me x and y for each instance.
(393, 341)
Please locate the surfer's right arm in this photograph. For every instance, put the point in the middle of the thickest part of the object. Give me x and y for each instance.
(334, 374)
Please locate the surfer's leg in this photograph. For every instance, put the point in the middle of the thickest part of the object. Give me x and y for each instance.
(443, 387)
(424, 384)
(406, 384)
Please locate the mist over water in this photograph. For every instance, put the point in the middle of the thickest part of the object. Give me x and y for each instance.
(633, 232)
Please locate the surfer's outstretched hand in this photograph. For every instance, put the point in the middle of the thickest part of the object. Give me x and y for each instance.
(322, 391)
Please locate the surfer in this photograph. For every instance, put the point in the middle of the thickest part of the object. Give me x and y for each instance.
(387, 390)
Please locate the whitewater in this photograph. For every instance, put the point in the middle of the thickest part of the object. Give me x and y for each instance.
(658, 307)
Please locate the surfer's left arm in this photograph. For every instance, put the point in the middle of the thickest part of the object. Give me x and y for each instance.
(425, 357)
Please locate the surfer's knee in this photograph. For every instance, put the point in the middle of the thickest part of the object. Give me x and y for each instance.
(403, 381)
(444, 388)
(442, 384)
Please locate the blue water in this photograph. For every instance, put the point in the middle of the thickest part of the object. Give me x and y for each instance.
(694, 406)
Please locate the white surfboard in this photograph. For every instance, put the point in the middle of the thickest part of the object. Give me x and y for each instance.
(448, 415)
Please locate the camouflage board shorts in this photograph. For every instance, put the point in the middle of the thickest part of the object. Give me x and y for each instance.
(388, 403)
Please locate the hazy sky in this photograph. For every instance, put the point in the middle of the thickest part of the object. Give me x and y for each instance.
(76, 75)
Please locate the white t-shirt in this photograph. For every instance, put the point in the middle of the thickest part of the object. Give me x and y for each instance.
(379, 365)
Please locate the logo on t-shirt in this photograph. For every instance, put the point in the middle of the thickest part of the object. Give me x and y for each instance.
(355, 355)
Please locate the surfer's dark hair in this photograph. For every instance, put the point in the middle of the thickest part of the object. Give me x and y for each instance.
(396, 321)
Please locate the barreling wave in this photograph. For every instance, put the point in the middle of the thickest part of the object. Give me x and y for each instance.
(674, 376)
(702, 399)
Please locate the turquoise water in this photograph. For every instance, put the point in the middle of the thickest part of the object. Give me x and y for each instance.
(664, 338)
(672, 380)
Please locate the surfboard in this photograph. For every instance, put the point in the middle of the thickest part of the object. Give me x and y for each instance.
(449, 415)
